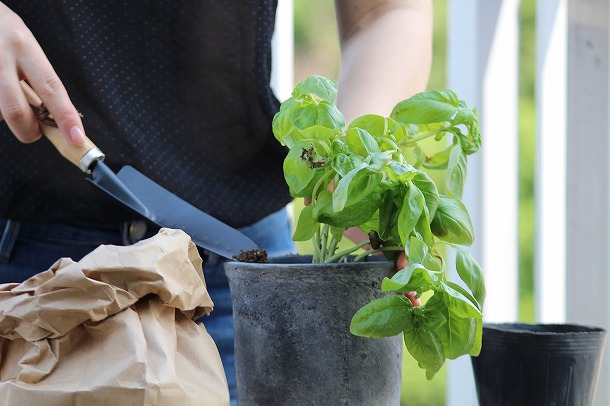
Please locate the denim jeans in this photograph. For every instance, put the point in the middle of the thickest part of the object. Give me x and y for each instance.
(27, 249)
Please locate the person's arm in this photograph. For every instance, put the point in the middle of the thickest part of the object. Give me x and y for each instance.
(386, 53)
(21, 57)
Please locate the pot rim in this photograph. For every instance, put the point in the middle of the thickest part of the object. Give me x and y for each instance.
(548, 329)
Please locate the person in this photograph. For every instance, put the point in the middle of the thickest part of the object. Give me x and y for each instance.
(179, 90)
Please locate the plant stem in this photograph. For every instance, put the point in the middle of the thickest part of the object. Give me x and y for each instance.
(317, 254)
(324, 241)
(346, 252)
(373, 250)
(412, 141)
(332, 247)
(314, 194)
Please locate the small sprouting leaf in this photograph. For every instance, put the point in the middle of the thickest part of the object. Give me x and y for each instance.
(386, 316)
(401, 171)
(452, 223)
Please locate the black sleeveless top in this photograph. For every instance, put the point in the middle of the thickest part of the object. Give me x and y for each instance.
(179, 89)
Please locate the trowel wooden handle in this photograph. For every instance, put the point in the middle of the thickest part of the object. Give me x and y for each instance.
(82, 156)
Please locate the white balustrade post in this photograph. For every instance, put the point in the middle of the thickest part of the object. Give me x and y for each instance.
(550, 194)
(282, 44)
(588, 170)
(483, 70)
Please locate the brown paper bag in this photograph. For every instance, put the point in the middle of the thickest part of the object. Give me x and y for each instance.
(115, 328)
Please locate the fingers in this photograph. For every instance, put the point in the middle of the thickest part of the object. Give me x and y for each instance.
(54, 95)
(412, 296)
(401, 262)
(21, 57)
(17, 112)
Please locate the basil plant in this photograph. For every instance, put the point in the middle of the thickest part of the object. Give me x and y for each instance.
(372, 174)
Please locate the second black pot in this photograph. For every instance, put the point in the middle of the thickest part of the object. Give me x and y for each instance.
(538, 364)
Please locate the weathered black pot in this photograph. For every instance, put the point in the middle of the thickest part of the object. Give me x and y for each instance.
(538, 364)
(292, 340)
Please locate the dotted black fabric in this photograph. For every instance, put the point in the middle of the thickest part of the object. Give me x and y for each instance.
(176, 88)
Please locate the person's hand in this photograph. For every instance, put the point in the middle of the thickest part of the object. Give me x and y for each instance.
(401, 263)
(21, 57)
(357, 236)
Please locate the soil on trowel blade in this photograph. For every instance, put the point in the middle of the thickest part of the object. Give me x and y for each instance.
(256, 255)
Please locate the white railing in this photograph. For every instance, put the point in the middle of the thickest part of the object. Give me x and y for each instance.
(572, 166)
(572, 267)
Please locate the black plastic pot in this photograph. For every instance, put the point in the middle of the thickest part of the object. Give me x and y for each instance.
(292, 340)
(538, 364)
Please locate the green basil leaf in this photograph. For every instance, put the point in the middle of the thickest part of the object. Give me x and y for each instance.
(419, 155)
(478, 339)
(452, 223)
(388, 215)
(372, 224)
(351, 216)
(463, 304)
(455, 176)
(355, 186)
(428, 188)
(438, 160)
(386, 316)
(283, 128)
(306, 225)
(424, 345)
(413, 278)
(471, 273)
(401, 172)
(317, 120)
(344, 164)
(321, 86)
(432, 106)
(379, 126)
(410, 212)
(377, 161)
(418, 250)
(298, 172)
(458, 334)
(361, 141)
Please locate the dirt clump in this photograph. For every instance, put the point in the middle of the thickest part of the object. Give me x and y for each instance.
(255, 255)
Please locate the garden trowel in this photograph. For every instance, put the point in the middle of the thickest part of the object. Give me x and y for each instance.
(141, 194)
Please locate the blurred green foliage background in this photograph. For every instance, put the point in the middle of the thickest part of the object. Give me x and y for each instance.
(317, 52)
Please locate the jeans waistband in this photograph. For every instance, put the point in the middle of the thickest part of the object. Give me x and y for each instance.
(271, 233)
(125, 233)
